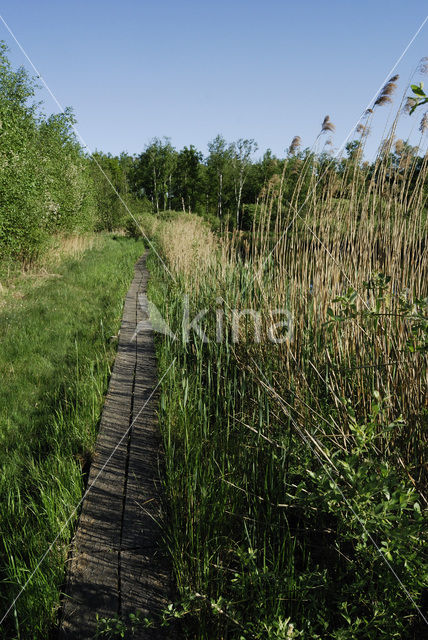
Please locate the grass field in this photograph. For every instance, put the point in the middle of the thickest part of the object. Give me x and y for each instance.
(56, 328)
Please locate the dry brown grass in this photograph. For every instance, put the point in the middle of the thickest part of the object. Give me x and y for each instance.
(189, 246)
(68, 246)
(61, 247)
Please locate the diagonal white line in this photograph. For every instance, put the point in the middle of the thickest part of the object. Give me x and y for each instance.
(338, 154)
(76, 131)
(83, 497)
(363, 526)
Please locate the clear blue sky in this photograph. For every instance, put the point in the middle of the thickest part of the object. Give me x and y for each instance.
(189, 69)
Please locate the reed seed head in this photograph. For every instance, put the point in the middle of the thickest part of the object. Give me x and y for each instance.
(363, 130)
(382, 100)
(327, 125)
(399, 146)
(409, 104)
(387, 90)
(424, 123)
(295, 145)
(423, 65)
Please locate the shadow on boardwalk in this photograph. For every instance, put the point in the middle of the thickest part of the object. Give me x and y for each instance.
(118, 564)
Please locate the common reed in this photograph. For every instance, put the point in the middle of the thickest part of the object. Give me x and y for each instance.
(189, 246)
(295, 145)
(290, 465)
(386, 92)
(327, 125)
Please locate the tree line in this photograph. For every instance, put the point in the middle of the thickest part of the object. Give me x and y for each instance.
(49, 184)
(227, 184)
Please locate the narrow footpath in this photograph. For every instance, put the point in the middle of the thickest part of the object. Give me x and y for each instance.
(118, 565)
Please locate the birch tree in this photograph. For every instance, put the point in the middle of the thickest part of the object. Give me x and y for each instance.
(217, 161)
(241, 152)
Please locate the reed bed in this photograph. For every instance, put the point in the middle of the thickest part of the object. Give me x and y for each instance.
(294, 468)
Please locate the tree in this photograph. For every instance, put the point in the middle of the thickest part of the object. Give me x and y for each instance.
(44, 175)
(109, 178)
(259, 174)
(153, 171)
(354, 150)
(241, 152)
(217, 162)
(187, 177)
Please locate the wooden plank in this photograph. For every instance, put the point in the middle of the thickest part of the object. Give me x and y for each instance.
(144, 567)
(118, 565)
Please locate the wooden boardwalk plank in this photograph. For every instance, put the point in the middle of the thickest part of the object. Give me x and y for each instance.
(118, 564)
(142, 561)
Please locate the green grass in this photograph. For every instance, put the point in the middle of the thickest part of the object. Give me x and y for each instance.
(55, 360)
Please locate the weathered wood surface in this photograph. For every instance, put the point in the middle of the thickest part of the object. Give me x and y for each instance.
(118, 565)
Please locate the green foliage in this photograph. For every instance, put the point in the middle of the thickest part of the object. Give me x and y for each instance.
(153, 171)
(249, 216)
(241, 153)
(139, 220)
(115, 627)
(109, 175)
(419, 97)
(269, 539)
(415, 312)
(44, 181)
(54, 364)
(218, 185)
(218, 171)
(187, 178)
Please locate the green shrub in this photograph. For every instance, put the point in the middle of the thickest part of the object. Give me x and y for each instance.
(45, 184)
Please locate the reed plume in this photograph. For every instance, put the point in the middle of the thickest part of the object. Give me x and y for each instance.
(363, 129)
(327, 125)
(423, 65)
(409, 104)
(399, 146)
(424, 123)
(387, 90)
(295, 145)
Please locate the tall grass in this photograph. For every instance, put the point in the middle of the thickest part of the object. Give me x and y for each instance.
(55, 360)
(295, 481)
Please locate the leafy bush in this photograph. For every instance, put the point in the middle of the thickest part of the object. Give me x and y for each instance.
(45, 186)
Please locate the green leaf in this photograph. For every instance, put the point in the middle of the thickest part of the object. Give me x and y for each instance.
(418, 90)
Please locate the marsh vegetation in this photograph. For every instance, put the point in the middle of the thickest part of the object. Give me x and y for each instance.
(295, 486)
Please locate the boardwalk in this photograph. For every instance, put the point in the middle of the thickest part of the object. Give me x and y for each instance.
(118, 566)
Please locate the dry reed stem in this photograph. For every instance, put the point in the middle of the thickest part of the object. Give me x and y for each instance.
(189, 247)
